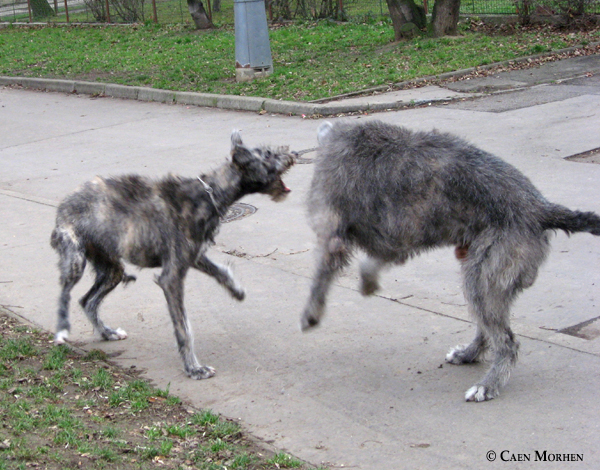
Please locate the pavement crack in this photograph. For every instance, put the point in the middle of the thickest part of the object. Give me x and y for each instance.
(26, 197)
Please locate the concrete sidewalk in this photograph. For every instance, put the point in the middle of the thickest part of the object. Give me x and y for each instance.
(369, 389)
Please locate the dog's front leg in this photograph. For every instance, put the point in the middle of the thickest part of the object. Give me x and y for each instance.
(334, 257)
(171, 282)
(222, 274)
(369, 275)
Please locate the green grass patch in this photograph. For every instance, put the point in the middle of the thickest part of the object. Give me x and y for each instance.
(62, 410)
(311, 60)
(18, 348)
(282, 460)
(57, 358)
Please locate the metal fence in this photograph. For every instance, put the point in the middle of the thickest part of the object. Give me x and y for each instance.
(176, 11)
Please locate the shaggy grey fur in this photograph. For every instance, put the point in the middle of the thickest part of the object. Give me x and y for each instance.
(166, 223)
(394, 193)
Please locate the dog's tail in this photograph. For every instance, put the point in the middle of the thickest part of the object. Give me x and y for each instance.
(562, 218)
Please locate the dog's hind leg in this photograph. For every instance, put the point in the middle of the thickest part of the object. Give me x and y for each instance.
(71, 264)
(505, 351)
(494, 275)
(171, 282)
(334, 256)
(490, 306)
(108, 275)
(468, 353)
(222, 274)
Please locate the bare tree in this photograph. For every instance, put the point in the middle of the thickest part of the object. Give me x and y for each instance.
(406, 17)
(41, 9)
(444, 18)
(129, 11)
(97, 8)
(201, 19)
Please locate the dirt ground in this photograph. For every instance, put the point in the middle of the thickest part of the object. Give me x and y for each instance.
(62, 409)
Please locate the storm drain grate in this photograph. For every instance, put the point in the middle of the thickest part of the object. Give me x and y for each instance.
(587, 330)
(237, 211)
(591, 156)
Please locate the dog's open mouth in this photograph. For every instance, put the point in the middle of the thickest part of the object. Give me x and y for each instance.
(279, 190)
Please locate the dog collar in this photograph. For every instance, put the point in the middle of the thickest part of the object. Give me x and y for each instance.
(209, 190)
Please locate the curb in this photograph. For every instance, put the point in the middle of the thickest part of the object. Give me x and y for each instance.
(238, 103)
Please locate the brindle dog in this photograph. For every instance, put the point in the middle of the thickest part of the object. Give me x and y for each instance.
(168, 223)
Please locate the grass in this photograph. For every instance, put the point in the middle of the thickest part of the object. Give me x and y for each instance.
(311, 60)
(61, 410)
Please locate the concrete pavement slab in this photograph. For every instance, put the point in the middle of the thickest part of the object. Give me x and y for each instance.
(369, 389)
(550, 72)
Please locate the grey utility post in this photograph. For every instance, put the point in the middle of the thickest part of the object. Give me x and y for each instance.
(252, 47)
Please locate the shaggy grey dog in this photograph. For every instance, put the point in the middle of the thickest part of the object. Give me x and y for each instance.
(394, 193)
(166, 223)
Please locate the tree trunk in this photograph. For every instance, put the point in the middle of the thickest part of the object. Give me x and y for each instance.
(41, 9)
(407, 18)
(201, 19)
(444, 18)
(216, 5)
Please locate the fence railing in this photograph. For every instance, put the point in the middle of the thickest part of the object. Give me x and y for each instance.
(176, 11)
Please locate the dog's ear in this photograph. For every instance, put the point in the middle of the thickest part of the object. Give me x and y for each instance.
(323, 131)
(240, 154)
(236, 140)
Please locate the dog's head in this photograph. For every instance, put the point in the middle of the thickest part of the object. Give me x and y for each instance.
(262, 167)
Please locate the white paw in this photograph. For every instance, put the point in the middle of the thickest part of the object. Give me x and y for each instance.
(113, 335)
(479, 393)
(120, 334)
(201, 372)
(452, 356)
(61, 337)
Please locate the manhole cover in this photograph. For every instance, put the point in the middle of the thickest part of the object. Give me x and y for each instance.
(304, 160)
(591, 156)
(589, 329)
(237, 211)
